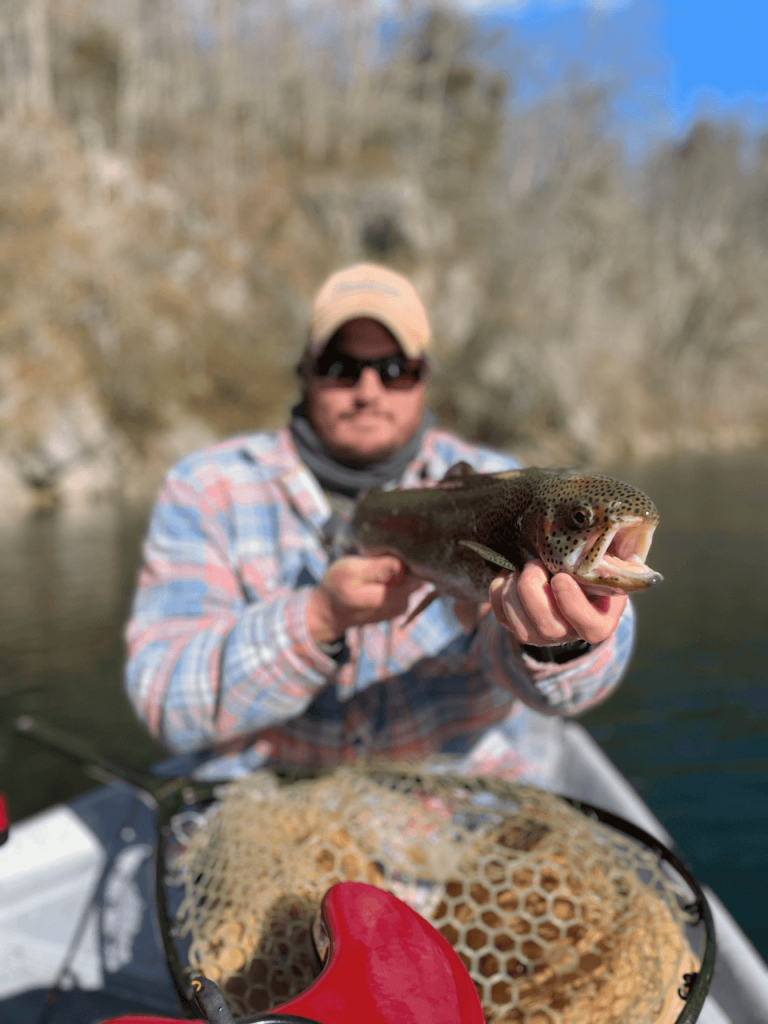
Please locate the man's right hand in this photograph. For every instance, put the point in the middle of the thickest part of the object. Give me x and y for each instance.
(357, 591)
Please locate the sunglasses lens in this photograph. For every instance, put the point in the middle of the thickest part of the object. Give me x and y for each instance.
(395, 372)
(398, 372)
(342, 370)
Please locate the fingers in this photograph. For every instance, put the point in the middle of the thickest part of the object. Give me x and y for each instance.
(524, 604)
(388, 579)
(356, 591)
(534, 593)
(594, 619)
(546, 612)
(537, 610)
(353, 575)
(386, 569)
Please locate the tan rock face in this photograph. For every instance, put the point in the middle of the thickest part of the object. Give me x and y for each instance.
(57, 442)
(137, 327)
(167, 212)
(124, 343)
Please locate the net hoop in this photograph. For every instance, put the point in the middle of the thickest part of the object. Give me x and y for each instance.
(693, 986)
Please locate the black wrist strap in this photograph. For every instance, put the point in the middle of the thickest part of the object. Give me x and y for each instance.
(336, 649)
(559, 654)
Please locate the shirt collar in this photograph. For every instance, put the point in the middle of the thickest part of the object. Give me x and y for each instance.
(303, 491)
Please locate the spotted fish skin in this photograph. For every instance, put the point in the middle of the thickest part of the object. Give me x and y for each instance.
(471, 526)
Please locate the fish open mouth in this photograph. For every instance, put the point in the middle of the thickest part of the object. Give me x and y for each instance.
(614, 559)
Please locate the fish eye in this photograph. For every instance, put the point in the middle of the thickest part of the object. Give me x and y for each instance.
(582, 516)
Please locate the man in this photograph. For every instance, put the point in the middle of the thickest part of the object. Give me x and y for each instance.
(248, 640)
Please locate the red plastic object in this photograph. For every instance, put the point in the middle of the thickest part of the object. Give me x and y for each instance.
(143, 1019)
(5, 819)
(386, 965)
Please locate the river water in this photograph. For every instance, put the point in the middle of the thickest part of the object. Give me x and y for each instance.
(689, 726)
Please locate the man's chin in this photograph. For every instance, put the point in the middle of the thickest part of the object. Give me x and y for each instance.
(363, 455)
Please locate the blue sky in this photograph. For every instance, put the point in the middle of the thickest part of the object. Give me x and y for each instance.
(717, 48)
(693, 54)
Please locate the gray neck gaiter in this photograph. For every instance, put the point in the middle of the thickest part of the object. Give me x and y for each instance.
(338, 478)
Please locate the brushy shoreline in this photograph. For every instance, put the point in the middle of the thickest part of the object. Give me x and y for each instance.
(175, 191)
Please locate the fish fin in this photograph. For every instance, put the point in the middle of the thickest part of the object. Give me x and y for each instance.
(488, 554)
(420, 607)
(460, 471)
(462, 475)
(507, 474)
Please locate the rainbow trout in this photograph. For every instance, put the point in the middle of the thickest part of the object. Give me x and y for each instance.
(461, 533)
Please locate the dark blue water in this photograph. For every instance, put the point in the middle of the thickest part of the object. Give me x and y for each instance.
(689, 726)
(66, 584)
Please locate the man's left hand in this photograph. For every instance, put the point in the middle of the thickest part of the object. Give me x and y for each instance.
(546, 612)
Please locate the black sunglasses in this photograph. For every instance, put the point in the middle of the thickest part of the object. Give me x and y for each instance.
(396, 371)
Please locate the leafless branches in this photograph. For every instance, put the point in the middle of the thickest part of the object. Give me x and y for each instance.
(232, 152)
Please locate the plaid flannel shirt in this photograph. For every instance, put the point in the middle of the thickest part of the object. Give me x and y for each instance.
(220, 658)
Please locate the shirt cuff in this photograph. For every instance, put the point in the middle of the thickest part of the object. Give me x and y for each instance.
(302, 647)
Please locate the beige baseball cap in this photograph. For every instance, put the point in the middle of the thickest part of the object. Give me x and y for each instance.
(376, 292)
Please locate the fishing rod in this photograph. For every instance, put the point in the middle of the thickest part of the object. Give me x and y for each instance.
(102, 768)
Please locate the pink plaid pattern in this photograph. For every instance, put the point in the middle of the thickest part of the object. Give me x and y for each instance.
(219, 656)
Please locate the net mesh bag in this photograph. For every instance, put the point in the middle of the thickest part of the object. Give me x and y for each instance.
(558, 918)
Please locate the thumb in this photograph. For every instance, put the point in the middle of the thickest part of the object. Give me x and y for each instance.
(386, 569)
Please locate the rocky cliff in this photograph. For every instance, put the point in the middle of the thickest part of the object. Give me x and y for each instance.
(175, 190)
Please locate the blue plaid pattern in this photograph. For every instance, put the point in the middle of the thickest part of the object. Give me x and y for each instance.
(220, 659)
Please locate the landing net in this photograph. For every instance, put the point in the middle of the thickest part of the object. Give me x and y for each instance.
(558, 918)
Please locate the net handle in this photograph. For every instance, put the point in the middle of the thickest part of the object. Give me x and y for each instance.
(214, 1008)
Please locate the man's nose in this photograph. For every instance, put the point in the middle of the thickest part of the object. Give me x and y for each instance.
(369, 385)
